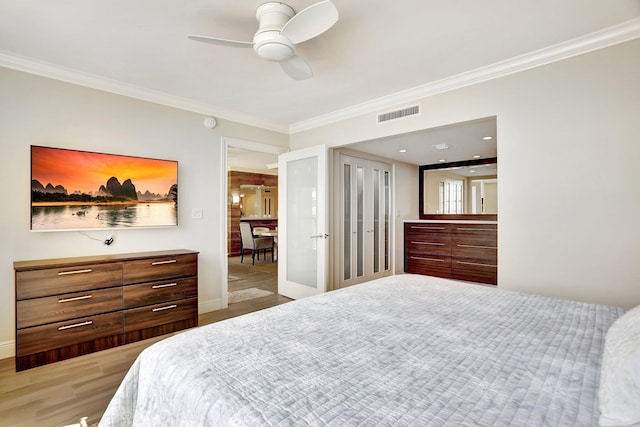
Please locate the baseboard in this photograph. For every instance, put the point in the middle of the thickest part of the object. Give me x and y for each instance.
(7, 349)
(209, 305)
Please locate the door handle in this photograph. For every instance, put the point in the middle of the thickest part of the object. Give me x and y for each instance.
(319, 236)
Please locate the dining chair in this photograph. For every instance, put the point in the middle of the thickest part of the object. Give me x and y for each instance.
(255, 244)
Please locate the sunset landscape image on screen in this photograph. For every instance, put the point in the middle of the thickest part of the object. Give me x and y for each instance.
(73, 189)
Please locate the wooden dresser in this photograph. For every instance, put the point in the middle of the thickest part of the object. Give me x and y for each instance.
(73, 306)
(461, 250)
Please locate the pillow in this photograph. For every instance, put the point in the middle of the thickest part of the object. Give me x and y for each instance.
(619, 390)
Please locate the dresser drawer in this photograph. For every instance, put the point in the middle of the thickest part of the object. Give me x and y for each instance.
(475, 234)
(55, 281)
(477, 250)
(58, 308)
(60, 334)
(475, 270)
(431, 265)
(159, 292)
(436, 232)
(146, 270)
(160, 314)
(418, 245)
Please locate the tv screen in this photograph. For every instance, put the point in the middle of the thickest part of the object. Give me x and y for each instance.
(81, 190)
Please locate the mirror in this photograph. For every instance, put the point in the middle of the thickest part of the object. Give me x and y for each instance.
(463, 190)
(258, 201)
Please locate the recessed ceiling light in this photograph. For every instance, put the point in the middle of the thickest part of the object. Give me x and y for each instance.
(472, 171)
(442, 146)
(488, 138)
(442, 160)
(477, 156)
(402, 150)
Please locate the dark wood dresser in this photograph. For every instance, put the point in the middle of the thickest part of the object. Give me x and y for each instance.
(73, 306)
(457, 250)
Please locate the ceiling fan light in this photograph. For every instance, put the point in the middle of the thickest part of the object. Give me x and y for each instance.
(273, 46)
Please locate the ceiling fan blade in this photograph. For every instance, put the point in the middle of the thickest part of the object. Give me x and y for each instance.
(310, 22)
(220, 42)
(297, 68)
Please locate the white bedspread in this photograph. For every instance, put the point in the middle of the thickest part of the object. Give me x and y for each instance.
(406, 350)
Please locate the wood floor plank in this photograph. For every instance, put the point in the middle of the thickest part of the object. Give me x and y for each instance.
(63, 392)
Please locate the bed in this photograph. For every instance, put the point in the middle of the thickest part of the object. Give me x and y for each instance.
(404, 350)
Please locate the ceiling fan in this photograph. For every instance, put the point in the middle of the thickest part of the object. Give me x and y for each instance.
(280, 30)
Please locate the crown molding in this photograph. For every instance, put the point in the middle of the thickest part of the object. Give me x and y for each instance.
(56, 72)
(624, 32)
(610, 36)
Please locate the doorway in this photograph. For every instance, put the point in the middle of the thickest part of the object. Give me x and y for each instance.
(250, 178)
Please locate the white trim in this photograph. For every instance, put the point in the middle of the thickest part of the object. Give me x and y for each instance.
(7, 349)
(93, 81)
(610, 36)
(209, 305)
(253, 146)
(616, 34)
(224, 190)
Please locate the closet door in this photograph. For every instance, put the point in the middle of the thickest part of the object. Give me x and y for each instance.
(365, 223)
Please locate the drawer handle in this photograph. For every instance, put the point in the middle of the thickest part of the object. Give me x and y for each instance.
(476, 263)
(171, 261)
(427, 259)
(167, 285)
(75, 325)
(427, 243)
(477, 247)
(416, 227)
(64, 273)
(168, 307)
(75, 298)
(475, 229)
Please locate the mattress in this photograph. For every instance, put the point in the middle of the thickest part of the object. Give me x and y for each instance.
(405, 350)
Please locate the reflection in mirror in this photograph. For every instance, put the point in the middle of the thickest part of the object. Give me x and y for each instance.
(460, 188)
(258, 201)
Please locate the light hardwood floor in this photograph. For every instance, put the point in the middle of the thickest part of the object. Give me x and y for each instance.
(63, 392)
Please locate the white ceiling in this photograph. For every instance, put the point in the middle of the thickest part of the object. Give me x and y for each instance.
(377, 49)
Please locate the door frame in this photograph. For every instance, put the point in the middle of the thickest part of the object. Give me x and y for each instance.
(227, 142)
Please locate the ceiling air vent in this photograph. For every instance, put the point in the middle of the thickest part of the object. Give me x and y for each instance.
(398, 114)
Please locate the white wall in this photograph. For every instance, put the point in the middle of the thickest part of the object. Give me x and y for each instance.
(571, 126)
(40, 111)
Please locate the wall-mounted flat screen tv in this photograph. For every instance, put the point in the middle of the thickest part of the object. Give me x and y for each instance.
(81, 190)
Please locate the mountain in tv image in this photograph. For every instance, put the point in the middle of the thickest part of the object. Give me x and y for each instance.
(111, 191)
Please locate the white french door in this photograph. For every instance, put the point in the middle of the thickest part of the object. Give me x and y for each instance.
(365, 222)
(303, 222)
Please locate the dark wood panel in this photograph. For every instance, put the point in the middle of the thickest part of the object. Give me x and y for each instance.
(461, 251)
(74, 350)
(159, 314)
(428, 229)
(488, 254)
(160, 268)
(60, 334)
(69, 308)
(58, 308)
(158, 292)
(431, 265)
(154, 331)
(62, 280)
(474, 270)
(42, 264)
(67, 352)
(417, 246)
